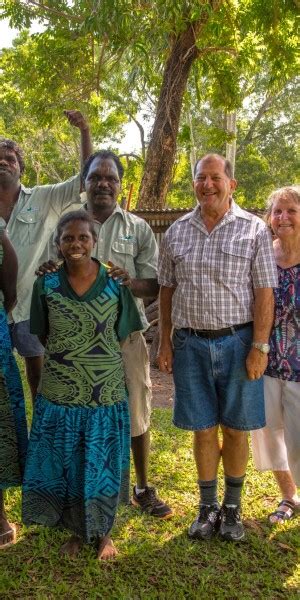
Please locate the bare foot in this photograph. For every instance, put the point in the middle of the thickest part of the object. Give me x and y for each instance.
(7, 532)
(106, 549)
(72, 546)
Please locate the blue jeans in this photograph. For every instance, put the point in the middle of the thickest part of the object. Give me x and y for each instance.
(211, 383)
(27, 344)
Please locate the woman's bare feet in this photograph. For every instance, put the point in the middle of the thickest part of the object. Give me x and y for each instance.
(72, 546)
(7, 532)
(106, 549)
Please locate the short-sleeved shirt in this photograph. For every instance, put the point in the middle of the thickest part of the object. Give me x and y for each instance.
(83, 361)
(284, 356)
(128, 241)
(31, 225)
(214, 274)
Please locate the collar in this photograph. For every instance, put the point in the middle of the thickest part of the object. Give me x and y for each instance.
(234, 211)
(116, 210)
(25, 190)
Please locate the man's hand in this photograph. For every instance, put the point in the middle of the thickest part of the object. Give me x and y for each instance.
(256, 364)
(118, 273)
(76, 118)
(47, 267)
(164, 357)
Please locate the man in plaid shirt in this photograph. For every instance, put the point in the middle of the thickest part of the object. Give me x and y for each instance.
(217, 271)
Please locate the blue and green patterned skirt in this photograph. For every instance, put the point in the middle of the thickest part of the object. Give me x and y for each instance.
(13, 428)
(77, 467)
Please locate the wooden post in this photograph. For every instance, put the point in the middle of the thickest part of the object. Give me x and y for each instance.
(129, 196)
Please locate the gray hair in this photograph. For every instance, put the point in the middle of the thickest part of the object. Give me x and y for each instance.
(290, 191)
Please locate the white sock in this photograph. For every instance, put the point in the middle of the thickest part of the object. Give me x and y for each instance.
(139, 490)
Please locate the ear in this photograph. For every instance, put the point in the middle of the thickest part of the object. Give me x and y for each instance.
(233, 184)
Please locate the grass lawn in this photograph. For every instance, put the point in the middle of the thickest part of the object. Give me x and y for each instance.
(156, 560)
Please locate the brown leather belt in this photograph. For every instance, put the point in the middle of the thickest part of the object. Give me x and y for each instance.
(212, 334)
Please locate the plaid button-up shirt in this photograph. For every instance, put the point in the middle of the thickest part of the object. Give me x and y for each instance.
(215, 274)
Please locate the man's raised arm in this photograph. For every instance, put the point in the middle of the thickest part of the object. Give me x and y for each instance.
(76, 118)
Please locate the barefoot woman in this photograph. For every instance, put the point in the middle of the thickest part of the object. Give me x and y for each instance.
(13, 430)
(78, 453)
(277, 446)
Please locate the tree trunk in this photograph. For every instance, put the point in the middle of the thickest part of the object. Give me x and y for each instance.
(162, 146)
(231, 146)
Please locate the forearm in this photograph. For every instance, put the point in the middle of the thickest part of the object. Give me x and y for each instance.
(165, 312)
(165, 350)
(144, 288)
(43, 340)
(9, 273)
(263, 314)
(86, 146)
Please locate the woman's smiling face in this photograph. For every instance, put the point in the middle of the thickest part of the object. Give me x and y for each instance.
(76, 241)
(285, 217)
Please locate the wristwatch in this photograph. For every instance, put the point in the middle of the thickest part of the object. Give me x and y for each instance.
(264, 348)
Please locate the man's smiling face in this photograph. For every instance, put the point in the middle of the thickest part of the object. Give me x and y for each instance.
(102, 184)
(9, 166)
(212, 186)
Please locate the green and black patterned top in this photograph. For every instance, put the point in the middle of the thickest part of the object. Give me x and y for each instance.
(83, 364)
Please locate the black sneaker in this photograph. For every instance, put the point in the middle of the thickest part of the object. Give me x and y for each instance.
(207, 522)
(231, 526)
(151, 504)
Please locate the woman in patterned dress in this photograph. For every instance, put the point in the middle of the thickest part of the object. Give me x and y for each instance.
(277, 446)
(78, 454)
(13, 429)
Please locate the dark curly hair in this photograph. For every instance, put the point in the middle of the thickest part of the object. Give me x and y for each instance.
(74, 215)
(102, 154)
(11, 145)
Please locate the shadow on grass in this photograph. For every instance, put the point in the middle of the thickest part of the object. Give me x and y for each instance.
(156, 560)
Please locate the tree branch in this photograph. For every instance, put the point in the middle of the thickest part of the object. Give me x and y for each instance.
(127, 154)
(54, 11)
(266, 105)
(100, 61)
(228, 49)
(142, 134)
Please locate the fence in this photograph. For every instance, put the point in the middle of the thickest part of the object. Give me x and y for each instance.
(160, 220)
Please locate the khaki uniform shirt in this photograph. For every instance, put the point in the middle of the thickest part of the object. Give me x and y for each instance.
(31, 225)
(128, 241)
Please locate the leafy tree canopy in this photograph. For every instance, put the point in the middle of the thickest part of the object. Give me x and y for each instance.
(112, 57)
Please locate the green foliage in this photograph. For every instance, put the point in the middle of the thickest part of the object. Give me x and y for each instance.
(107, 59)
(181, 193)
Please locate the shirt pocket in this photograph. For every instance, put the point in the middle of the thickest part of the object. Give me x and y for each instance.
(124, 253)
(184, 260)
(29, 224)
(236, 261)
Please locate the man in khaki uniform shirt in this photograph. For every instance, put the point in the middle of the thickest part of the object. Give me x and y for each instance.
(31, 215)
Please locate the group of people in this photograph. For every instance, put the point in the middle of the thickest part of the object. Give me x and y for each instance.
(79, 326)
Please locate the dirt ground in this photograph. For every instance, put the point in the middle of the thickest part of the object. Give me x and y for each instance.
(162, 389)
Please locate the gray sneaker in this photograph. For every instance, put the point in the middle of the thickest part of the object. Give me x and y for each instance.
(207, 522)
(231, 526)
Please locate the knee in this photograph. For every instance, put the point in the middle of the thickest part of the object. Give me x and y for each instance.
(205, 436)
(234, 435)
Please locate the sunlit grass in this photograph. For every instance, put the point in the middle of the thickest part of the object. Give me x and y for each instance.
(156, 560)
